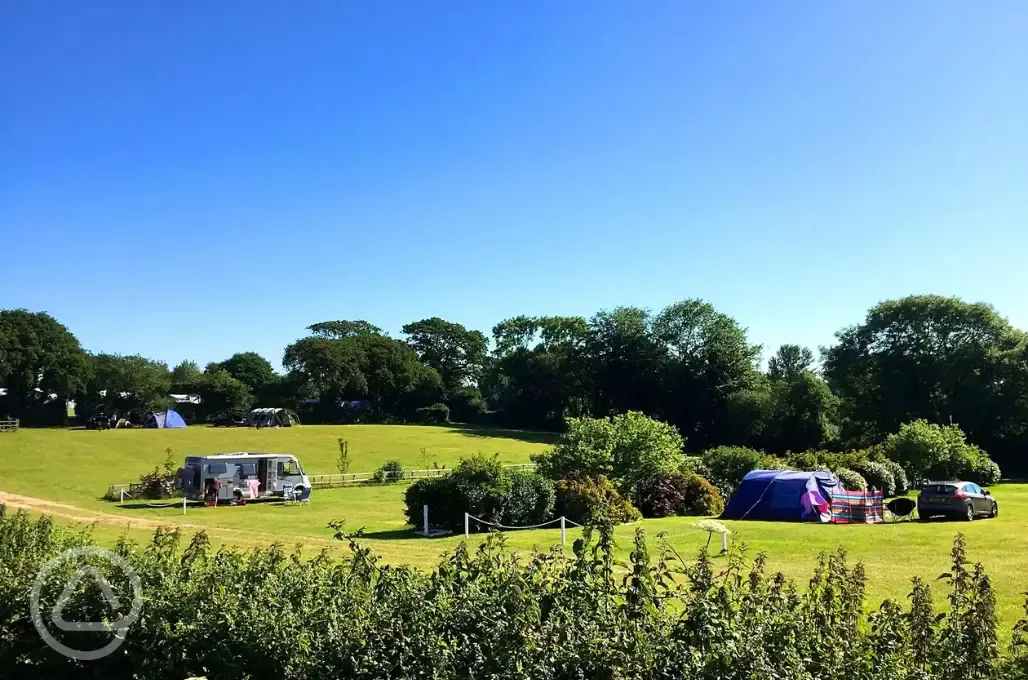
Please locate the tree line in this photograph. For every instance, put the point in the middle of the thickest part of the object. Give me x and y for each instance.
(934, 358)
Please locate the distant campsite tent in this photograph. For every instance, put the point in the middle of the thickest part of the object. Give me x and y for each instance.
(791, 496)
(169, 418)
(272, 417)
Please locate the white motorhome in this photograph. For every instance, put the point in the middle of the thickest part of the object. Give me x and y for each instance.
(278, 475)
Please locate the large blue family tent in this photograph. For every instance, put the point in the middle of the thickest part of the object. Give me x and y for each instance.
(169, 418)
(784, 495)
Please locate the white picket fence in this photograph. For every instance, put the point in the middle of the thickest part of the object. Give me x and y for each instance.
(333, 480)
(356, 478)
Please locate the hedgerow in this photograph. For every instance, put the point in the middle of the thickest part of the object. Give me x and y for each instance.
(487, 613)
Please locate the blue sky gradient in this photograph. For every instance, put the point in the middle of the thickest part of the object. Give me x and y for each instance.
(189, 180)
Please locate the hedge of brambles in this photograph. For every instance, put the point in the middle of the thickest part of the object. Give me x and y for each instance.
(267, 613)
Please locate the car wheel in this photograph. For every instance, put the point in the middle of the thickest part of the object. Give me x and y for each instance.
(970, 513)
(995, 511)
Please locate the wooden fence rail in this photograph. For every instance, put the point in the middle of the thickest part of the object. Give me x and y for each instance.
(9, 425)
(332, 480)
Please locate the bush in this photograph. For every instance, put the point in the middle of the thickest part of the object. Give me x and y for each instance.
(878, 476)
(928, 451)
(773, 463)
(982, 470)
(902, 485)
(436, 414)
(681, 494)
(851, 480)
(489, 613)
(588, 500)
(629, 449)
(702, 498)
(391, 471)
(529, 499)
(467, 405)
(480, 486)
(727, 465)
(693, 465)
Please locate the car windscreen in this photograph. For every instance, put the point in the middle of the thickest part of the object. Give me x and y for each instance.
(939, 488)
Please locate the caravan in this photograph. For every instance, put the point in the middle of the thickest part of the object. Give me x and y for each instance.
(237, 476)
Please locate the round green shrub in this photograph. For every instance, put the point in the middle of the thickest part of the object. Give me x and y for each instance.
(727, 465)
(851, 480)
(391, 471)
(529, 499)
(587, 500)
(436, 414)
(683, 494)
(878, 476)
(899, 476)
(701, 498)
(480, 486)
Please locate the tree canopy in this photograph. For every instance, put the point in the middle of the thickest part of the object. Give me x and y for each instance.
(125, 384)
(40, 358)
(930, 358)
(458, 354)
(249, 368)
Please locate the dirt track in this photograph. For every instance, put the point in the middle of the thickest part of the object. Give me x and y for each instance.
(72, 513)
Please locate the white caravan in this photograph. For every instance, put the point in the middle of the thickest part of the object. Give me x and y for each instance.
(278, 475)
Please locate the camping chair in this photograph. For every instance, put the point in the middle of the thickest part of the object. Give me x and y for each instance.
(902, 508)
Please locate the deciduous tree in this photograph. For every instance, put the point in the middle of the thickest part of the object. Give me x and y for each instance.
(458, 354)
(41, 358)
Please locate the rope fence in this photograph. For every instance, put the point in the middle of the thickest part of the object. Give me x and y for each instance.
(563, 521)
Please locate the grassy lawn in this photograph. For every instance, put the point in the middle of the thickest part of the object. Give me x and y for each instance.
(74, 468)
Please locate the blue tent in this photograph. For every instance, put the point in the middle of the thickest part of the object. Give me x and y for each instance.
(169, 418)
(784, 495)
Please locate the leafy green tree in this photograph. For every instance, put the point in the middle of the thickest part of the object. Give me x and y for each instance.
(789, 361)
(249, 368)
(626, 362)
(363, 366)
(540, 373)
(933, 358)
(222, 395)
(629, 448)
(40, 358)
(803, 414)
(458, 354)
(125, 384)
(707, 359)
(186, 373)
(337, 330)
(926, 450)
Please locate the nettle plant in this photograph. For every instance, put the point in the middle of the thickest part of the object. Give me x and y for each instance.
(487, 612)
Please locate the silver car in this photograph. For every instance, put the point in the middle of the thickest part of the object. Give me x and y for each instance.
(963, 500)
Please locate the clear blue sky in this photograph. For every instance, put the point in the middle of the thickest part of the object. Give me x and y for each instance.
(187, 180)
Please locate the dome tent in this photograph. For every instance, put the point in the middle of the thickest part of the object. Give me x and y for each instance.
(791, 496)
(169, 418)
(272, 417)
(784, 495)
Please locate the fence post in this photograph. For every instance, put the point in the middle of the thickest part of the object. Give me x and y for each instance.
(424, 510)
(724, 544)
(466, 532)
(122, 501)
(563, 531)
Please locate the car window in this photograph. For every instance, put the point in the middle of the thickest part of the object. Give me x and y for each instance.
(217, 468)
(288, 468)
(939, 488)
(247, 469)
(974, 488)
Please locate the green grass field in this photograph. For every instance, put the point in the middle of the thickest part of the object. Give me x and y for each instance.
(68, 471)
